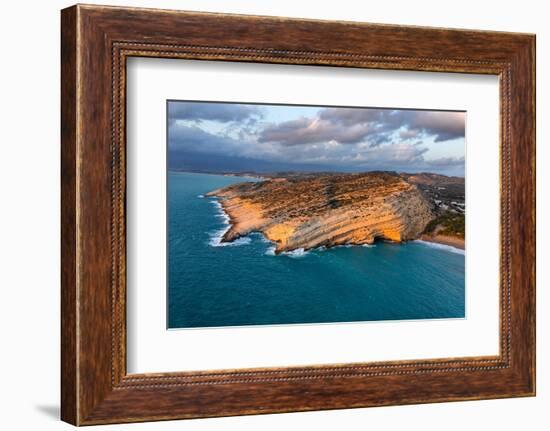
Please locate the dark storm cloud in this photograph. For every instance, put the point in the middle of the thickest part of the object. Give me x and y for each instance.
(222, 112)
(195, 139)
(373, 126)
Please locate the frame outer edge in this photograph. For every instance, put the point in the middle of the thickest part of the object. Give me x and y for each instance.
(523, 216)
(87, 396)
(69, 202)
(533, 54)
(532, 101)
(530, 63)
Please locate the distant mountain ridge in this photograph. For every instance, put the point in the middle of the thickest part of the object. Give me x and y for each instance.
(187, 161)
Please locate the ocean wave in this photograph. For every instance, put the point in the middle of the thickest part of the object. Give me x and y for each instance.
(216, 237)
(334, 247)
(220, 213)
(445, 247)
(200, 196)
(299, 252)
(270, 251)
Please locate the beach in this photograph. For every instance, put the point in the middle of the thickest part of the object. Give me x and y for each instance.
(451, 241)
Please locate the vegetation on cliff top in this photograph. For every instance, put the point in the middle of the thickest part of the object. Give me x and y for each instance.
(449, 223)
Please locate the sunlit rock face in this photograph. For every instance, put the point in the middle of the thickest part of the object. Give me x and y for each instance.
(313, 210)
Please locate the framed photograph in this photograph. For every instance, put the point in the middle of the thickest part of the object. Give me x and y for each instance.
(264, 214)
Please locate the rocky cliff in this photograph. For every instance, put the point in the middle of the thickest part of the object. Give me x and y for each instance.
(326, 209)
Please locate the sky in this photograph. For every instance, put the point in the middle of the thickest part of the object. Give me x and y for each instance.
(214, 136)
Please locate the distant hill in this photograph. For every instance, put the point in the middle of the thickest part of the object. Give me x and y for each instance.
(194, 162)
(209, 163)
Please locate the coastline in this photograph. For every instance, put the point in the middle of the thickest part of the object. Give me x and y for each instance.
(231, 231)
(451, 241)
(327, 210)
(245, 208)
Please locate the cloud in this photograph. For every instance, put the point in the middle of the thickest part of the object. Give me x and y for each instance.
(221, 112)
(350, 116)
(446, 162)
(391, 156)
(195, 139)
(347, 139)
(313, 130)
(443, 125)
(374, 126)
(408, 134)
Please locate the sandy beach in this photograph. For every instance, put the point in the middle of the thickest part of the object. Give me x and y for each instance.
(446, 240)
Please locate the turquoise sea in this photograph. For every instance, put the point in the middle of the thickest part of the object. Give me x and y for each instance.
(211, 285)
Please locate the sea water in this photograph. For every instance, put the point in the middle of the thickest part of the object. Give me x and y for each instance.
(212, 284)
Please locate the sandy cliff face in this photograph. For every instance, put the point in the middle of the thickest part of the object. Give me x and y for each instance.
(326, 210)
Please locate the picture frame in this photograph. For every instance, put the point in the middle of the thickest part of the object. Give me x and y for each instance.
(96, 42)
